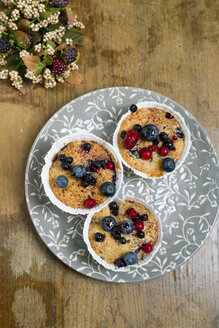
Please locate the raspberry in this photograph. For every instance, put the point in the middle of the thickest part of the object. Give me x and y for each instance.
(60, 3)
(71, 55)
(164, 151)
(110, 166)
(90, 203)
(5, 45)
(147, 248)
(139, 226)
(131, 139)
(132, 213)
(145, 153)
(58, 66)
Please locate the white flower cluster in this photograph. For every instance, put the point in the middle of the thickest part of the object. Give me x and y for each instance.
(73, 66)
(50, 50)
(55, 35)
(16, 79)
(4, 74)
(15, 15)
(12, 25)
(38, 47)
(2, 29)
(49, 80)
(2, 61)
(31, 9)
(77, 23)
(23, 53)
(53, 19)
(3, 17)
(69, 42)
(35, 79)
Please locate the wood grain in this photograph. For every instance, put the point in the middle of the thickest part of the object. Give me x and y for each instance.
(167, 46)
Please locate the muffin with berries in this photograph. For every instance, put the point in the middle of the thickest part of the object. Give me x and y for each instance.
(152, 139)
(82, 173)
(123, 234)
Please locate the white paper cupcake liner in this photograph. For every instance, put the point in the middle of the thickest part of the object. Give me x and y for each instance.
(177, 116)
(48, 162)
(127, 268)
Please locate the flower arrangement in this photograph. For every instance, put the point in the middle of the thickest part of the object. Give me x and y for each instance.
(38, 43)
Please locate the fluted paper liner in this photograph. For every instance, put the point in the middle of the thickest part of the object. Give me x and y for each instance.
(48, 162)
(177, 116)
(140, 263)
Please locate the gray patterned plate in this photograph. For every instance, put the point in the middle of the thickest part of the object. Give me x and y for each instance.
(187, 200)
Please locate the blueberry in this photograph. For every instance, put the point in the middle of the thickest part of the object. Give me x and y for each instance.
(117, 228)
(180, 134)
(168, 144)
(130, 258)
(156, 142)
(69, 159)
(122, 241)
(120, 263)
(127, 227)
(113, 206)
(163, 136)
(122, 134)
(114, 179)
(61, 181)
(140, 234)
(149, 132)
(90, 162)
(133, 108)
(97, 164)
(108, 189)
(99, 237)
(168, 164)
(116, 235)
(108, 223)
(85, 184)
(137, 127)
(61, 157)
(88, 177)
(78, 171)
(144, 217)
(86, 146)
(64, 164)
(103, 163)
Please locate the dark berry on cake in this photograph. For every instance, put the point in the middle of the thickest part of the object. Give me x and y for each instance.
(133, 108)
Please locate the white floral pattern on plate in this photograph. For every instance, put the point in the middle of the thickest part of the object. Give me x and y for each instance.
(187, 200)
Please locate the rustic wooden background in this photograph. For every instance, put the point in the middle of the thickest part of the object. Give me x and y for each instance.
(167, 46)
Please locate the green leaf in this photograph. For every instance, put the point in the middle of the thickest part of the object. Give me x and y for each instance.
(39, 68)
(51, 43)
(75, 36)
(54, 10)
(45, 14)
(47, 60)
(13, 60)
(54, 27)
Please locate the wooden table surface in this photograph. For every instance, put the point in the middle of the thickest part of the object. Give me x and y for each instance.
(167, 46)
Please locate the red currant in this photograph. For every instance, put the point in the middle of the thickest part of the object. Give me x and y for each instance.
(175, 137)
(90, 203)
(164, 151)
(145, 153)
(147, 248)
(110, 166)
(139, 226)
(133, 213)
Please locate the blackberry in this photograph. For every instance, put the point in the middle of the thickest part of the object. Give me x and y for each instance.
(5, 45)
(168, 144)
(180, 134)
(122, 241)
(61, 157)
(133, 108)
(137, 127)
(28, 41)
(99, 237)
(86, 146)
(60, 3)
(114, 179)
(163, 136)
(120, 263)
(103, 163)
(97, 164)
(140, 234)
(58, 66)
(71, 55)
